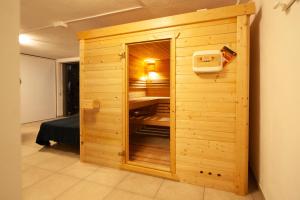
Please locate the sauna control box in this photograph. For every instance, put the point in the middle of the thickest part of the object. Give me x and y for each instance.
(208, 61)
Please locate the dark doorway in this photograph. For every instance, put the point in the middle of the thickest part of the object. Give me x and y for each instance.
(71, 88)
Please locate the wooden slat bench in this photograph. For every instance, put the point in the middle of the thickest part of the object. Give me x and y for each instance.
(156, 112)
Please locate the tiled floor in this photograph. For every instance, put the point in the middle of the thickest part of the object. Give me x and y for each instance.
(56, 173)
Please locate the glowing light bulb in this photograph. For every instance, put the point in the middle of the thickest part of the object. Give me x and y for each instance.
(153, 75)
(150, 61)
(24, 39)
(143, 78)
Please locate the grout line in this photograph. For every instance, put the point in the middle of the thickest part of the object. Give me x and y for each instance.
(203, 192)
(160, 185)
(115, 186)
(68, 189)
(38, 180)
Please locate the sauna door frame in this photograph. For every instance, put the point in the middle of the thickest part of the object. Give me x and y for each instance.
(130, 165)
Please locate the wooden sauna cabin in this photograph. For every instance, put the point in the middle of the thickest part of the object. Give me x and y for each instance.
(172, 97)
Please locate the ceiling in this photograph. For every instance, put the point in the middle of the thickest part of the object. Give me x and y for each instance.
(158, 50)
(60, 42)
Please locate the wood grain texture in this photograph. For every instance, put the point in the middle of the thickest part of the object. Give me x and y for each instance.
(208, 113)
(189, 18)
(242, 106)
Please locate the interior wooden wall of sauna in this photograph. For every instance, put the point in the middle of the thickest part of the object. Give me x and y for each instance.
(139, 54)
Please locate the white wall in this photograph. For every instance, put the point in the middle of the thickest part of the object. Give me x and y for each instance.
(275, 100)
(10, 158)
(38, 88)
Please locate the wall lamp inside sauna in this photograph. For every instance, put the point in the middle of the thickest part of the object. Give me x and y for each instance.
(150, 66)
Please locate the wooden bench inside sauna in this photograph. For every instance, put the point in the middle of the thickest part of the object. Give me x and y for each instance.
(150, 111)
(149, 130)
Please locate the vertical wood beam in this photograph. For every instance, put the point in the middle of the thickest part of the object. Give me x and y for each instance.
(173, 105)
(81, 89)
(242, 104)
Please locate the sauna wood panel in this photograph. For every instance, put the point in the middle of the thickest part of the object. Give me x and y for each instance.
(103, 66)
(188, 51)
(206, 78)
(155, 34)
(206, 110)
(102, 140)
(206, 40)
(206, 135)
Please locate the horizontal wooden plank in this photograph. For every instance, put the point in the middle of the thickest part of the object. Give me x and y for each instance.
(110, 96)
(205, 135)
(104, 133)
(205, 78)
(99, 139)
(103, 66)
(104, 149)
(209, 163)
(188, 51)
(228, 127)
(205, 116)
(209, 172)
(102, 161)
(195, 177)
(208, 30)
(205, 107)
(206, 97)
(206, 40)
(111, 58)
(95, 118)
(108, 74)
(101, 51)
(105, 82)
(206, 88)
(171, 21)
(103, 88)
(119, 39)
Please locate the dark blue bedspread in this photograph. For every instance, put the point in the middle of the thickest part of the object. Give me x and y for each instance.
(64, 131)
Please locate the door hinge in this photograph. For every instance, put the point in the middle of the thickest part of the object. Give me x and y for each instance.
(122, 153)
(122, 55)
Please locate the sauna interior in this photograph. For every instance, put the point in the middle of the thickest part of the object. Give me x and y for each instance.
(149, 104)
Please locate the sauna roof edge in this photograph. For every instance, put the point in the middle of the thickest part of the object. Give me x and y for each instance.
(170, 21)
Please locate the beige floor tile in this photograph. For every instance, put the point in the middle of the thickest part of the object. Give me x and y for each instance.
(141, 184)
(27, 150)
(123, 195)
(107, 176)
(28, 139)
(171, 190)
(49, 188)
(37, 158)
(33, 175)
(79, 170)
(56, 163)
(212, 194)
(85, 190)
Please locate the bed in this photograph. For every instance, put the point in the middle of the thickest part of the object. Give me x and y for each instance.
(64, 131)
